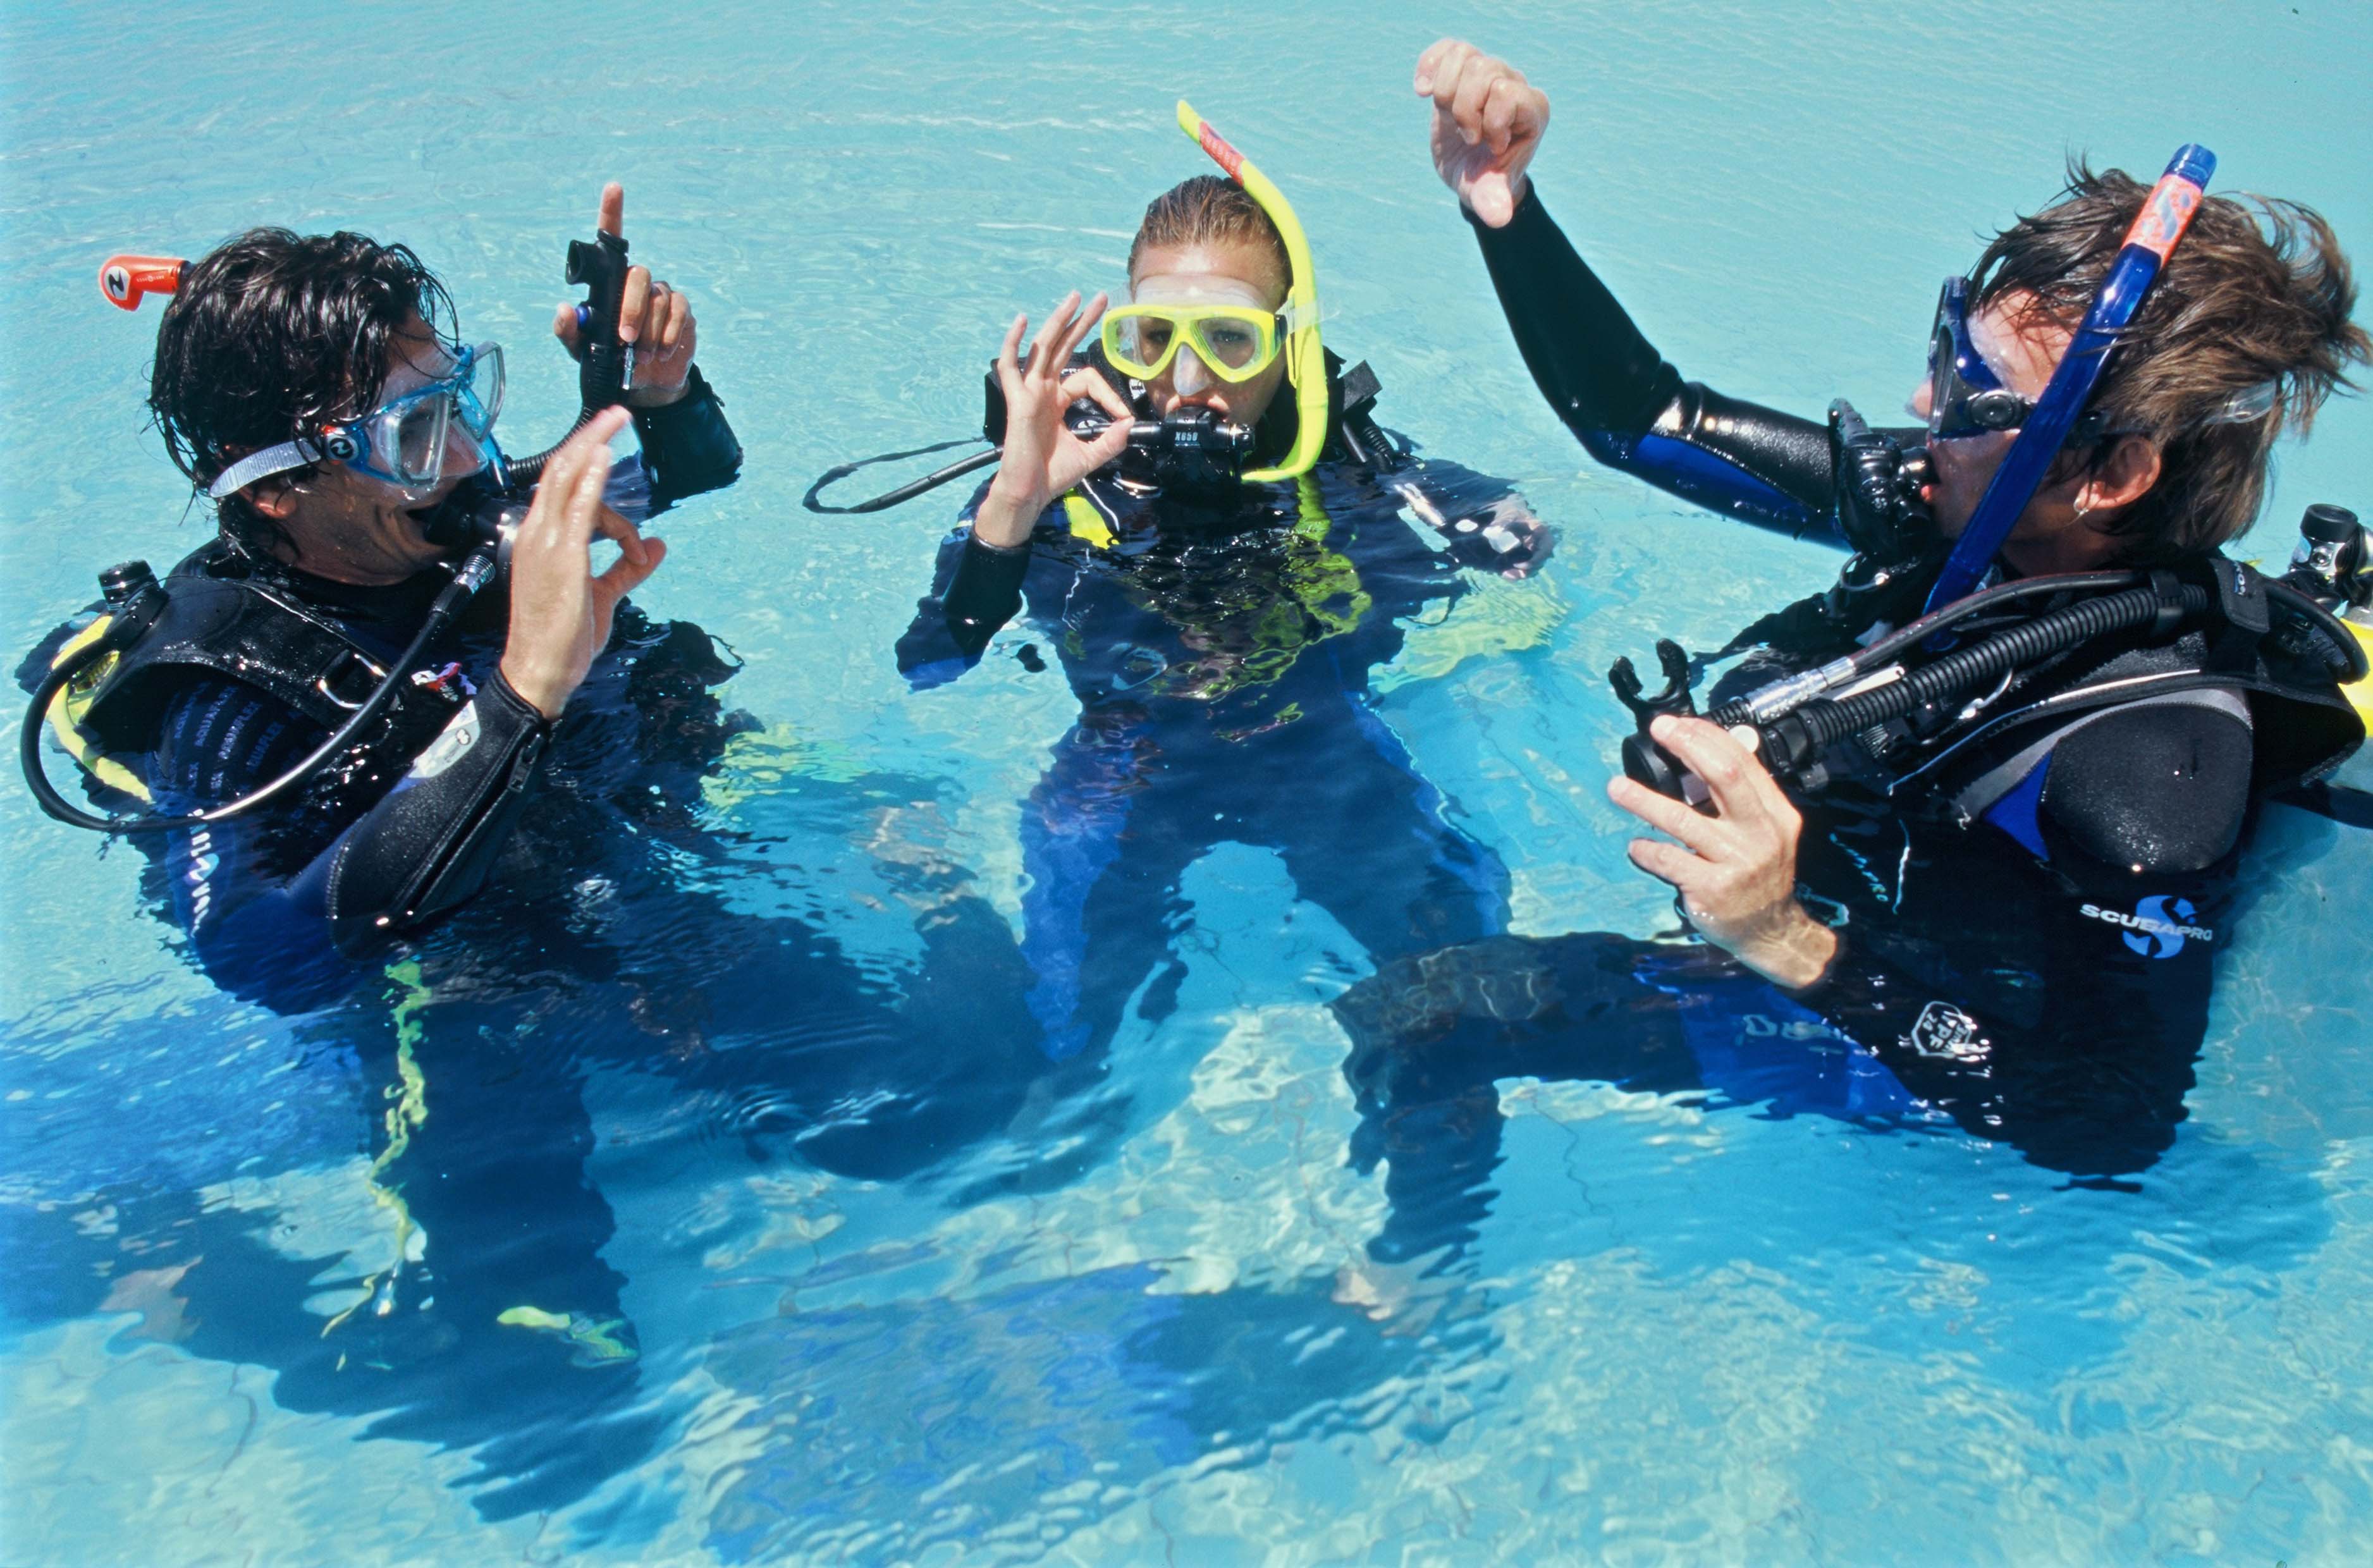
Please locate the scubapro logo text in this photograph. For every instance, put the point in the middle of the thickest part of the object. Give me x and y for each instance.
(2158, 927)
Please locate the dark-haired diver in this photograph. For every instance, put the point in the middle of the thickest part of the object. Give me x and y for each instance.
(2003, 899)
(1196, 506)
(509, 879)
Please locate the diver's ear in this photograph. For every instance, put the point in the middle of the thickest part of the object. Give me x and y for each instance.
(274, 496)
(2121, 475)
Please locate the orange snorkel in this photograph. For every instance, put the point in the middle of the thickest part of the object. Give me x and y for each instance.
(126, 279)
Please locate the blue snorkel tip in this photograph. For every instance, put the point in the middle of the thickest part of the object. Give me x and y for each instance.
(2193, 162)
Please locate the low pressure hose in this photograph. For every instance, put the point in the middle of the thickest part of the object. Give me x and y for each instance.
(474, 573)
(1823, 720)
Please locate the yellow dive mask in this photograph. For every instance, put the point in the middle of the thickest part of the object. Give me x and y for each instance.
(1305, 359)
(1237, 342)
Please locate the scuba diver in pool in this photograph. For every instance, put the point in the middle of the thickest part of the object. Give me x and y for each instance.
(513, 852)
(1197, 508)
(332, 730)
(1993, 878)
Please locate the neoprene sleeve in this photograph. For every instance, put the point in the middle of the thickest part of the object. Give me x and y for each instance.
(687, 444)
(1632, 410)
(430, 844)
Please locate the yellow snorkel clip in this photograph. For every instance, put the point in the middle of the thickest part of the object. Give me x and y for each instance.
(1305, 358)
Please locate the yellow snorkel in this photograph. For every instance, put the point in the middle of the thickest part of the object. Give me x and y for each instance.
(1305, 359)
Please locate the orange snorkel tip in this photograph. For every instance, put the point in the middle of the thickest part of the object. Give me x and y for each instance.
(124, 279)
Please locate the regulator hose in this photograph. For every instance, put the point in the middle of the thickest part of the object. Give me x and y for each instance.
(474, 574)
(1824, 720)
(908, 492)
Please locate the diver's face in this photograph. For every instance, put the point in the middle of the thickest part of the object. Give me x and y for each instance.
(347, 526)
(1209, 274)
(2023, 354)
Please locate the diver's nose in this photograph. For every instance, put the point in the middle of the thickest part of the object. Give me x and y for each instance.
(1190, 375)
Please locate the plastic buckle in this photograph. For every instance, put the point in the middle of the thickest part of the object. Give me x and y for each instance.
(348, 659)
(449, 685)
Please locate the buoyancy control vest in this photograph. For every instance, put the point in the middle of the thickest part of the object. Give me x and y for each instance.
(216, 613)
(1949, 715)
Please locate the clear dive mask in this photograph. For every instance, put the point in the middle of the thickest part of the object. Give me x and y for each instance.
(410, 441)
(1966, 396)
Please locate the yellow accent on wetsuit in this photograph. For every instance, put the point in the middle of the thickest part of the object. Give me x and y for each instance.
(1087, 523)
(2360, 693)
(409, 1111)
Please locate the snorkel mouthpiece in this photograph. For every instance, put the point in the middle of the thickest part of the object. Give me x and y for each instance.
(1305, 358)
(2166, 213)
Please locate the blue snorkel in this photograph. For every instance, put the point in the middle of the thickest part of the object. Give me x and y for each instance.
(2165, 216)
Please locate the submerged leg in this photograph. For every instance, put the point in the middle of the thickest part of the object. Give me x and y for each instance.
(1434, 1032)
(1103, 846)
(1377, 847)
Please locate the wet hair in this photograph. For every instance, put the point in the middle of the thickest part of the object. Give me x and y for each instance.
(1209, 210)
(2258, 297)
(272, 335)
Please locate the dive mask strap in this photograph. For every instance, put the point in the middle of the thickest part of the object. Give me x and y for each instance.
(281, 458)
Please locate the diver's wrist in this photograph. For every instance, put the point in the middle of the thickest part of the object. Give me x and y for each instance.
(1004, 519)
(1797, 957)
(547, 694)
(654, 395)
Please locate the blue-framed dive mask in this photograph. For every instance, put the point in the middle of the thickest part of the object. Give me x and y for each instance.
(1965, 397)
(410, 441)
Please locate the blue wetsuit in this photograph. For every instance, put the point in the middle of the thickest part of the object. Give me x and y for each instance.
(1222, 662)
(2036, 966)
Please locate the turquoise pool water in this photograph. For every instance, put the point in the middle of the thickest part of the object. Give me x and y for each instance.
(1684, 1334)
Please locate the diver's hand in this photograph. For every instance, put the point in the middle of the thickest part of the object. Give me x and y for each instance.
(1736, 870)
(560, 611)
(653, 320)
(1488, 121)
(1880, 510)
(1042, 457)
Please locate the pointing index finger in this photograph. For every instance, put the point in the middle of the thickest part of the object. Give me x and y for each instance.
(613, 209)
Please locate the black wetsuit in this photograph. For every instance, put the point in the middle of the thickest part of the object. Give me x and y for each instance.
(1222, 662)
(2041, 973)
